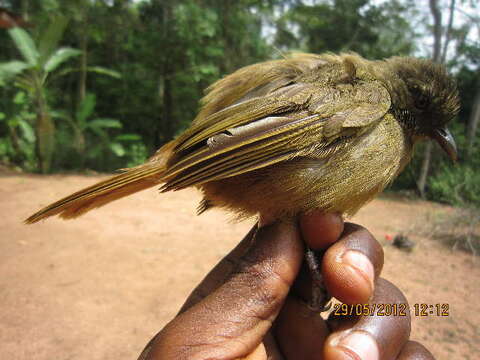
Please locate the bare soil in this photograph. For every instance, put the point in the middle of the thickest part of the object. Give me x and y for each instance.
(101, 286)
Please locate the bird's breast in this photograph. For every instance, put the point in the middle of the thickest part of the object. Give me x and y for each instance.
(341, 182)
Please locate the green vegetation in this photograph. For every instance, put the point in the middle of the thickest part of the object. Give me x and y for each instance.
(101, 84)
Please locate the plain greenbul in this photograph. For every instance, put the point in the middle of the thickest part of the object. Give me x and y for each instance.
(287, 136)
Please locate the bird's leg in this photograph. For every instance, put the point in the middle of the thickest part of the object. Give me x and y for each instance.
(320, 296)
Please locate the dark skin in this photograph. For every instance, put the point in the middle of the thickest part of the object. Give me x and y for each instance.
(252, 304)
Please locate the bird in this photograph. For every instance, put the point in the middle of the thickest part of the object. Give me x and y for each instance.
(286, 136)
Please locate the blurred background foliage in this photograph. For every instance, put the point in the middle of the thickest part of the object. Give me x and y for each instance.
(101, 84)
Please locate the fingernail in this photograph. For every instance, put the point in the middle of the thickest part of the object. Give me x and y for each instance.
(361, 264)
(355, 346)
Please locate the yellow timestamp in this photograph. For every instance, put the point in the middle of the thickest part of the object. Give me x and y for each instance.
(380, 309)
(394, 309)
(423, 309)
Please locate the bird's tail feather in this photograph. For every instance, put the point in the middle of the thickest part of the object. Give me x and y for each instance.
(116, 187)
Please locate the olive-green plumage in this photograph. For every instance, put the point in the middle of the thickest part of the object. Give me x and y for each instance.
(284, 136)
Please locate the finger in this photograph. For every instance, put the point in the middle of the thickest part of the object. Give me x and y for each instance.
(232, 320)
(320, 230)
(271, 346)
(300, 332)
(350, 266)
(415, 351)
(372, 337)
(258, 354)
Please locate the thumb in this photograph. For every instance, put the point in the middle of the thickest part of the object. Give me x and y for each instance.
(231, 322)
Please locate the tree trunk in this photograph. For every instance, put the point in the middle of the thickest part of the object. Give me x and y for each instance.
(437, 30)
(448, 32)
(473, 123)
(165, 128)
(437, 57)
(82, 80)
(422, 179)
(45, 132)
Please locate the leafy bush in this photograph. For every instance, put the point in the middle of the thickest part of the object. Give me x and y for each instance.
(456, 185)
(18, 147)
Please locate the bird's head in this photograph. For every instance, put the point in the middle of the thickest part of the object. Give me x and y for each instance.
(425, 99)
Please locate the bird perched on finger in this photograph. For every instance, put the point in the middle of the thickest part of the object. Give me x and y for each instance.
(324, 132)
(287, 136)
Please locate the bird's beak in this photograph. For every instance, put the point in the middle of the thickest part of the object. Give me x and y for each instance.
(446, 141)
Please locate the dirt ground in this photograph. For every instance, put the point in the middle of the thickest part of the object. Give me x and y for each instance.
(101, 286)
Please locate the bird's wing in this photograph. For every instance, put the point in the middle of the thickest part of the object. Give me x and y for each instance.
(297, 119)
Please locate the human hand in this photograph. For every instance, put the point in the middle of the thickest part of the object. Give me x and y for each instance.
(252, 304)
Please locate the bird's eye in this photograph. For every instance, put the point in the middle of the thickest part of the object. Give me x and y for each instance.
(421, 102)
